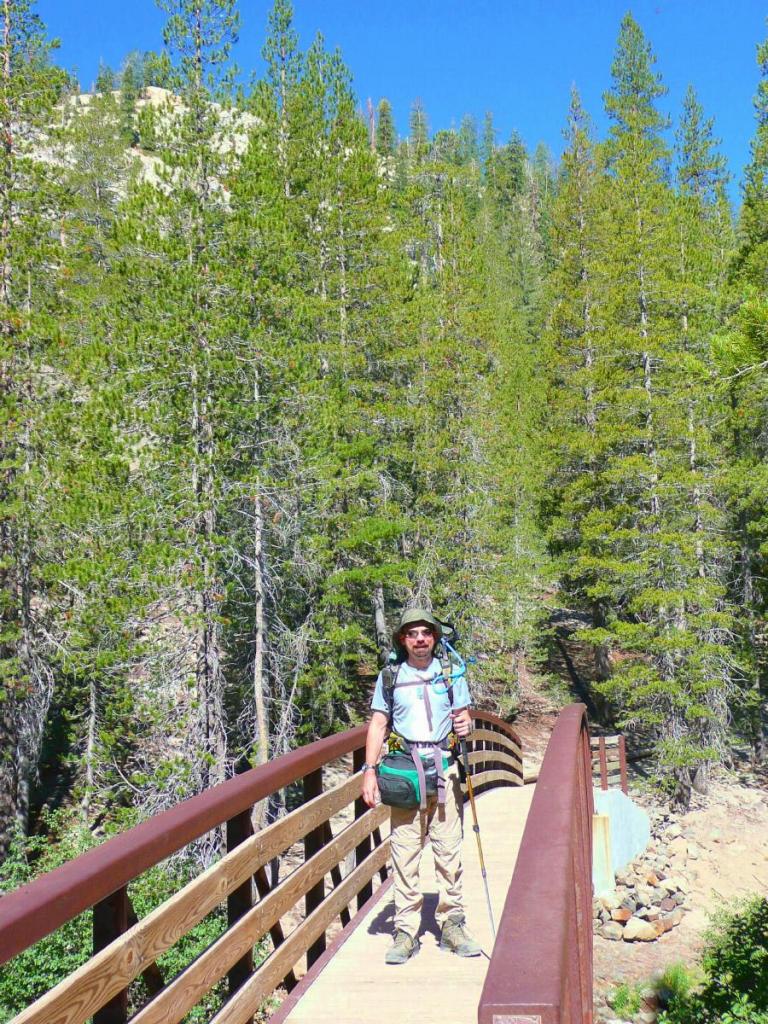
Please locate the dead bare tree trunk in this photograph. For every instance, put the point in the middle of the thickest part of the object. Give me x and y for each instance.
(380, 623)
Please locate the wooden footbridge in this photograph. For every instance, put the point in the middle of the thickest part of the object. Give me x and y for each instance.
(309, 946)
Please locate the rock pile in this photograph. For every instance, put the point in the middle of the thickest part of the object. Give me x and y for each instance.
(651, 893)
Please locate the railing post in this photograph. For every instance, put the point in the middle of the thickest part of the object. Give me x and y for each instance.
(240, 900)
(585, 850)
(623, 763)
(110, 921)
(363, 848)
(313, 842)
(603, 764)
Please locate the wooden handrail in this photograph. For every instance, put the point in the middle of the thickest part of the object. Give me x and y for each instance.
(541, 973)
(125, 947)
(40, 907)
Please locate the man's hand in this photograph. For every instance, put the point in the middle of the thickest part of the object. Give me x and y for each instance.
(371, 794)
(462, 722)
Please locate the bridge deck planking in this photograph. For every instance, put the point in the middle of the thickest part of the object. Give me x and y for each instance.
(357, 986)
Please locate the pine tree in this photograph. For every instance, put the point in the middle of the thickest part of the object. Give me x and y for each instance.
(651, 547)
(419, 131)
(469, 149)
(576, 302)
(386, 136)
(29, 89)
(697, 278)
(130, 86)
(743, 358)
(181, 359)
(105, 79)
(488, 142)
(99, 508)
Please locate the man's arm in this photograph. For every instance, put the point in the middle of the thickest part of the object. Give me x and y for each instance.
(377, 731)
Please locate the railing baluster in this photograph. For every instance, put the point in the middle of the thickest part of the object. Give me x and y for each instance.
(363, 849)
(623, 763)
(336, 878)
(153, 976)
(377, 841)
(313, 842)
(603, 765)
(110, 921)
(276, 933)
(240, 900)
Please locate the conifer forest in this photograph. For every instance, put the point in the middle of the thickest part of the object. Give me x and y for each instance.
(270, 371)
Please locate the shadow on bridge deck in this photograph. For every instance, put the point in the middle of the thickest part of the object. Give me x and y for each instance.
(356, 987)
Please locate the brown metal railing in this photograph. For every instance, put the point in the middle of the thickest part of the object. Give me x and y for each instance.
(125, 948)
(609, 761)
(541, 968)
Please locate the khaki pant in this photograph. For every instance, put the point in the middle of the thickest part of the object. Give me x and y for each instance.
(444, 828)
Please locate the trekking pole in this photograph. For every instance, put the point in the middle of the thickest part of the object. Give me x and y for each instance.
(476, 830)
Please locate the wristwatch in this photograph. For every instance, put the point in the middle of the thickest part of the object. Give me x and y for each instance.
(368, 768)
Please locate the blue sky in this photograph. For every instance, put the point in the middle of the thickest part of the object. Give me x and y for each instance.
(517, 58)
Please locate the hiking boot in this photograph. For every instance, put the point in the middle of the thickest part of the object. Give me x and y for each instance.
(402, 949)
(456, 939)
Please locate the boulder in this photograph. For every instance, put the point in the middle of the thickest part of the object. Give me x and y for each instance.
(623, 914)
(637, 930)
(675, 883)
(644, 895)
(610, 900)
(613, 931)
(668, 921)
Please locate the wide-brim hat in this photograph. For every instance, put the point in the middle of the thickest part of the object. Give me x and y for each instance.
(411, 616)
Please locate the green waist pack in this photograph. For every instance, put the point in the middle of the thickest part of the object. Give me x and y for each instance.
(399, 781)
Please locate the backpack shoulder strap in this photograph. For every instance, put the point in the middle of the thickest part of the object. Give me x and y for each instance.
(446, 667)
(389, 676)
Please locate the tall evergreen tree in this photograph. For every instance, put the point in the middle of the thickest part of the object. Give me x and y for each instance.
(579, 362)
(419, 130)
(29, 89)
(649, 548)
(743, 359)
(386, 137)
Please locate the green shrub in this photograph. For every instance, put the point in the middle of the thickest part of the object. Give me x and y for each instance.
(735, 968)
(678, 982)
(32, 973)
(625, 1000)
(38, 969)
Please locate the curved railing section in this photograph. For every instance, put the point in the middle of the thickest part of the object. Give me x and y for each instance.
(543, 975)
(126, 948)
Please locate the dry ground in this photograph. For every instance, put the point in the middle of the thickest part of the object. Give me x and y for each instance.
(730, 829)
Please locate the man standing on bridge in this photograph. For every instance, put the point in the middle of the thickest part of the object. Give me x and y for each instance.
(422, 708)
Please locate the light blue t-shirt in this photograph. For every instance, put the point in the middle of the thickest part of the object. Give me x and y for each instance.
(409, 712)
